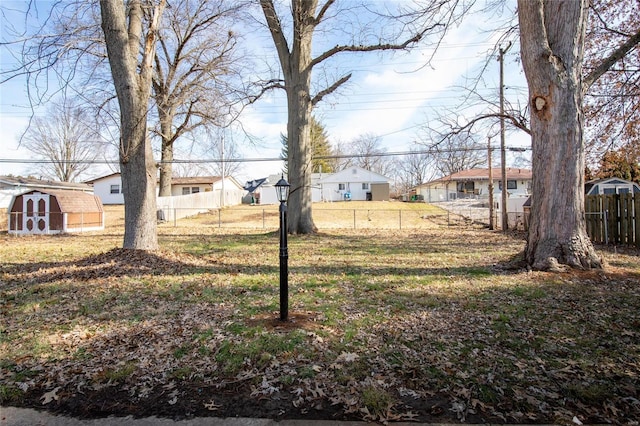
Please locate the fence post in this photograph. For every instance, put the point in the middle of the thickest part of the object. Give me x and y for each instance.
(354, 218)
(636, 218)
(219, 218)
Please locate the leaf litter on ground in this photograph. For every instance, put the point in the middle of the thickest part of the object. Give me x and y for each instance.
(429, 325)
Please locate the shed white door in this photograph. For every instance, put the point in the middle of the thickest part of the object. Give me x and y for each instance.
(36, 213)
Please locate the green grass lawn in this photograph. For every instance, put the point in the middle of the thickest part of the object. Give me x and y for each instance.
(431, 324)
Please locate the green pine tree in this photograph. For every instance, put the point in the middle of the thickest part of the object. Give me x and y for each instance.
(320, 146)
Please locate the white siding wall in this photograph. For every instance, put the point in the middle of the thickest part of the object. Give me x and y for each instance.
(102, 188)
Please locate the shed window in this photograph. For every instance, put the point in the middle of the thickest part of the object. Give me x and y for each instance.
(365, 186)
(341, 186)
(42, 207)
(115, 189)
(195, 190)
(186, 190)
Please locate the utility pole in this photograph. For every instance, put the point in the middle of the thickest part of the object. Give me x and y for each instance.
(503, 153)
(491, 206)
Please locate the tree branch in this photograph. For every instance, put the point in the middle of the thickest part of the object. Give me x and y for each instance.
(608, 62)
(318, 97)
(381, 46)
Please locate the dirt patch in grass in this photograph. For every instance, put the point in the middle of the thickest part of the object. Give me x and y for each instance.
(433, 325)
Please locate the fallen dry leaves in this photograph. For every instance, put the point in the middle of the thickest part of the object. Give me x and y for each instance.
(428, 325)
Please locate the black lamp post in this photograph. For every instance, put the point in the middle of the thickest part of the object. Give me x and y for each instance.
(282, 191)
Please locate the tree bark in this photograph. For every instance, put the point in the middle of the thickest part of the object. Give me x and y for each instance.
(552, 43)
(166, 156)
(132, 81)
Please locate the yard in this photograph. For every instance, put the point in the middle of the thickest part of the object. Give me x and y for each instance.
(434, 323)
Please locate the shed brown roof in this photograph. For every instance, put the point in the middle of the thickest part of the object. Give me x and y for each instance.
(74, 201)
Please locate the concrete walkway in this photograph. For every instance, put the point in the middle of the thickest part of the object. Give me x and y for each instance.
(11, 416)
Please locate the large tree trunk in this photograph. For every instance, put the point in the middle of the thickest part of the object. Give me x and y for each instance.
(552, 40)
(300, 220)
(122, 25)
(166, 159)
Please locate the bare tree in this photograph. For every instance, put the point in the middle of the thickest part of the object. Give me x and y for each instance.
(413, 169)
(369, 154)
(552, 45)
(130, 34)
(65, 138)
(297, 64)
(193, 68)
(552, 37)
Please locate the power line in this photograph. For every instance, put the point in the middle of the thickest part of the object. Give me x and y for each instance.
(431, 151)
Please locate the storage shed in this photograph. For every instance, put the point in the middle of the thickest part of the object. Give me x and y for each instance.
(55, 211)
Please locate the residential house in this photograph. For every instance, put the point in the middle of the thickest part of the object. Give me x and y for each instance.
(228, 191)
(474, 183)
(353, 183)
(108, 188)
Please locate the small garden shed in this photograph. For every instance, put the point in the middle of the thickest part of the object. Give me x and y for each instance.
(55, 211)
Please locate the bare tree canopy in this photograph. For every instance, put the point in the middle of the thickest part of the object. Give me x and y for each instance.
(293, 40)
(194, 68)
(65, 138)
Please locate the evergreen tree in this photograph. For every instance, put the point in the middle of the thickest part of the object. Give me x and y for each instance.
(320, 148)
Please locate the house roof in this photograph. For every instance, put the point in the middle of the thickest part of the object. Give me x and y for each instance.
(73, 201)
(252, 185)
(483, 174)
(92, 181)
(18, 182)
(207, 180)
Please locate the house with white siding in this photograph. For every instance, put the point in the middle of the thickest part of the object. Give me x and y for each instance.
(353, 183)
(474, 183)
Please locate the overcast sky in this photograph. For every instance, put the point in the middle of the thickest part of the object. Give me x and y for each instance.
(389, 95)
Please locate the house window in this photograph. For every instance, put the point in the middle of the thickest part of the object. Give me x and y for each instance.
(195, 190)
(115, 189)
(468, 187)
(186, 190)
(365, 186)
(511, 184)
(341, 186)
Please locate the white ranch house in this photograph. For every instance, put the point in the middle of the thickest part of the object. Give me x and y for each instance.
(109, 189)
(474, 183)
(353, 183)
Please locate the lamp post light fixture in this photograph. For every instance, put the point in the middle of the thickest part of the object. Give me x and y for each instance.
(282, 191)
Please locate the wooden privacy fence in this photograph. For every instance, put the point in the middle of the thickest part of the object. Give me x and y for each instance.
(613, 218)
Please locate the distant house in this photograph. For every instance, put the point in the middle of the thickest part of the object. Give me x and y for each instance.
(54, 211)
(109, 188)
(611, 186)
(474, 183)
(14, 185)
(353, 183)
